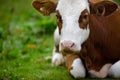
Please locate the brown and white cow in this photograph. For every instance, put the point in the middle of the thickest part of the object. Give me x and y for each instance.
(88, 32)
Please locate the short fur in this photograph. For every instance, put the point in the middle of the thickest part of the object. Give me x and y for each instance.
(104, 41)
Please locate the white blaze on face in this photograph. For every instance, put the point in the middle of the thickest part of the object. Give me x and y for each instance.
(70, 11)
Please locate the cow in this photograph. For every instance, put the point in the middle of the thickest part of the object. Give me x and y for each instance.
(87, 39)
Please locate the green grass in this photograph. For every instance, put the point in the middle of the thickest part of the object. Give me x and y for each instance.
(31, 66)
(26, 39)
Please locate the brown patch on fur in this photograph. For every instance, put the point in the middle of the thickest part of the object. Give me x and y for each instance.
(69, 60)
(45, 7)
(59, 21)
(84, 19)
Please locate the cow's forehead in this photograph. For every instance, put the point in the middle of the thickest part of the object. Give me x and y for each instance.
(72, 7)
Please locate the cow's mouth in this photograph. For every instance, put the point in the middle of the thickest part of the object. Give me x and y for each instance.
(67, 51)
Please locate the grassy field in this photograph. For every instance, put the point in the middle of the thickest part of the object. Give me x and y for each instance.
(26, 40)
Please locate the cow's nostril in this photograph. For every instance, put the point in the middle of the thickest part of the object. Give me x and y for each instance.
(72, 44)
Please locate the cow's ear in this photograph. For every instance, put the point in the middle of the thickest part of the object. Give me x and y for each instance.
(45, 7)
(103, 7)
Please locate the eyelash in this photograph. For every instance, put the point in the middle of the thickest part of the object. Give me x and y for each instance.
(85, 16)
(59, 18)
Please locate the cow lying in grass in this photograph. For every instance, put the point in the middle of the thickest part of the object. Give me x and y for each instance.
(87, 38)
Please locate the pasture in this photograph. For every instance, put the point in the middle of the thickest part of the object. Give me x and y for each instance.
(26, 43)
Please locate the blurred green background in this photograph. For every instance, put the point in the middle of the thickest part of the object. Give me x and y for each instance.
(26, 40)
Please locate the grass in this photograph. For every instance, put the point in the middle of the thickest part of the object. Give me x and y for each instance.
(31, 65)
(26, 39)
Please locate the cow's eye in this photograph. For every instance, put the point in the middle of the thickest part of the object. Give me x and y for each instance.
(59, 21)
(85, 16)
(84, 19)
(58, 16)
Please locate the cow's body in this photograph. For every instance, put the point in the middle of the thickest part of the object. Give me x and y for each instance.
(103, 44)
(90, 31)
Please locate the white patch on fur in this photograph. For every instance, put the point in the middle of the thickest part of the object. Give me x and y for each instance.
(102, 73)
(57, 58)
(56, 37)
(70, 10)
(78, 70)
(115, 70)
(41, 9)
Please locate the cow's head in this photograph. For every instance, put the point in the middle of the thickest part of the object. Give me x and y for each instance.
(73, 18)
